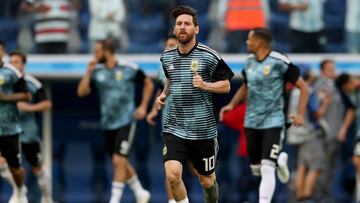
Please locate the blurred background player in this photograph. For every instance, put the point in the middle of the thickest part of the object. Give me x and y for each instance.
(351, 87)
(193, 73)
(115, 83)
(12, 89)
(311, 152)
(265, 74)
(30, 138)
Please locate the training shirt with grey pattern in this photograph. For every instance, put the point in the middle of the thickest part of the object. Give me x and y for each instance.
(265, 82)
(191, 113)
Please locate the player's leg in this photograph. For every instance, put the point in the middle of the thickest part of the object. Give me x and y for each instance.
(356, 162)
(33, 155)
(175, 152)
(204, 157)
(5, 172)
(299, 180)
(10, 149)
(270, 152)
(254, 147)
(310, 183)
(170, 196)
(282, 163)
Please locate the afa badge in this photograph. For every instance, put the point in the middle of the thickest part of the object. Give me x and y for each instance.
(194, 64)
(2, 80)
(267, 70)
(118, 75)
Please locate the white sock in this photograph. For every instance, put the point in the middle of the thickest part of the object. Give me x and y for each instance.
(267, 184)
(171, 201)
(357, 197)
(116, 191)
(43, 182)
(186, 200)
(6, 174)
(135, 185)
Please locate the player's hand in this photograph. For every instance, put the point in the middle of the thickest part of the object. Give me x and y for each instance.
(341, 134)
(297, 120)
(150, 118)
(225, 109)
(140, 113)
(198, 81)
(160, 101)
(23, 106)
(91, 67)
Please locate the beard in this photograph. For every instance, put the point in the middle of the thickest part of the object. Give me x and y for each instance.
(184, 40)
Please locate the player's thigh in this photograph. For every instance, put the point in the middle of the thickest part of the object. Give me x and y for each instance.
(271, 144)
(203, 155)
(124, 139)
(32, 152)
(11, 150)
(175, 148)
(254, 145)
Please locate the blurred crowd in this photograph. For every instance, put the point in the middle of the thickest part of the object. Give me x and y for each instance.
(138, 26)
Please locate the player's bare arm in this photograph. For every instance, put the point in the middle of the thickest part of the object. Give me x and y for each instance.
(84, 88)
(222, 86)
(160, 100)
(239, 96)
(36, 107)
(140, 112)
(298, 119)
(15, 97)
(154, 111)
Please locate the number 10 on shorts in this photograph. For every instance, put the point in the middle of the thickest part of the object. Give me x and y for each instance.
(209, 163)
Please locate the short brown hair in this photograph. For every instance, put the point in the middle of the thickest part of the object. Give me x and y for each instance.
(19, 53)
(180, 10)
(263, 33)
(324, 62)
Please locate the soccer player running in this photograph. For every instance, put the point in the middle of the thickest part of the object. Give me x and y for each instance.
(30, 138)
(265, 74)
(193, 73)
(12, 89)
(115, 82)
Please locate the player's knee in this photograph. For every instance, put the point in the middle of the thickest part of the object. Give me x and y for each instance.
(267, 168)
(255, 169)
(207, 181)
(173, 175)
(118, 160)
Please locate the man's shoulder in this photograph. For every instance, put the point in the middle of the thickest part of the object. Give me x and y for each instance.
(206, 49)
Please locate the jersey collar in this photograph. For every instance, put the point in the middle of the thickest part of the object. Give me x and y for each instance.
(186, 54)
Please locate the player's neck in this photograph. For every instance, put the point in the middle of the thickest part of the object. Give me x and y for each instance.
(111, 62)
(186, 48)
(262, 53)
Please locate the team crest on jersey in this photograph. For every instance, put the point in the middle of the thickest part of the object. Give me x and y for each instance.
(164, 150)
(2, 79)
(118, 75)
(267, 69)
(194, 64)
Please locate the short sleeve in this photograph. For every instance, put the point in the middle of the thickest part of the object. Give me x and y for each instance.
(140, 77)
(40, 95)
(292, 73)
(222, 72)
(20, 85)
(243, 73)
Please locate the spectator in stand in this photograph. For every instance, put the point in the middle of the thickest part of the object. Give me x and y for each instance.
(352, 26)
(107, 21)
(239, 17)
(52, 24)
(306, 23)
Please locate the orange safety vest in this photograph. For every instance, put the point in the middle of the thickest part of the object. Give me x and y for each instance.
(244, 15)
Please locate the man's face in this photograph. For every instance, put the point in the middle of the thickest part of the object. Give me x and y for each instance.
(170, 43)
(184, 28)
(252, 42)
(99, 52)
(17, 62)
(329, 70)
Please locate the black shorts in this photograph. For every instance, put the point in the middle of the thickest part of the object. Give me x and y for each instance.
(263, 144)
(10, 149)
(357, 148)
(201, 153)
(32, 152)
(119, 141)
